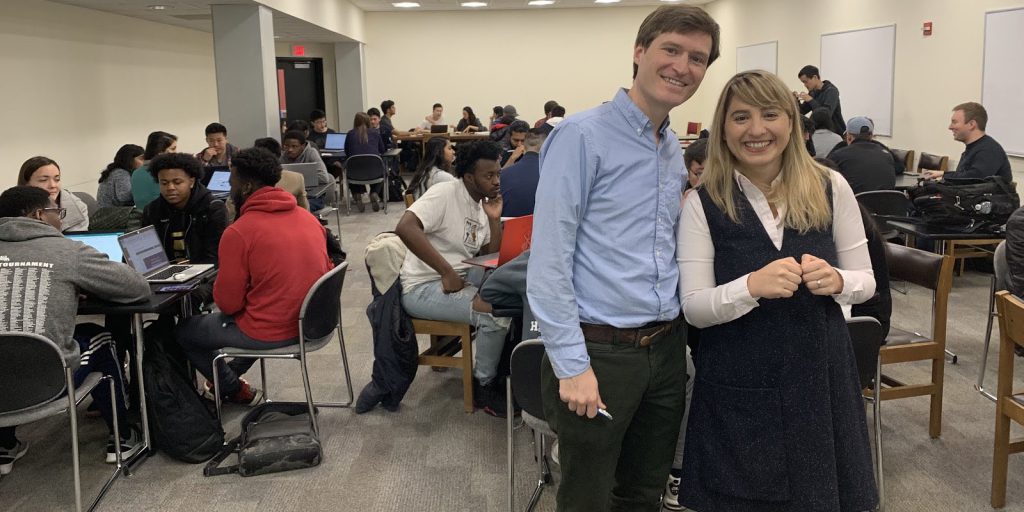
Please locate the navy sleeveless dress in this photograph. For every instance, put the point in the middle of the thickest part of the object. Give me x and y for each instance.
(777, 421)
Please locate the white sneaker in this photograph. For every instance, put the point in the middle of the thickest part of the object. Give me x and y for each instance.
(554, 452)
(9, 455)
(671, 499)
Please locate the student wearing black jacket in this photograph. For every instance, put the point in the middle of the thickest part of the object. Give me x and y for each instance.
(820, 93)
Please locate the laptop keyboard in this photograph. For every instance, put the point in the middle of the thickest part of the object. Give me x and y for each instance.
(169, 272)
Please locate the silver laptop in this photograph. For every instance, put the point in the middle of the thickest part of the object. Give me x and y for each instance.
(220, 184)
(335, 142)
(310, 173)
(105, 243)
(143, 251)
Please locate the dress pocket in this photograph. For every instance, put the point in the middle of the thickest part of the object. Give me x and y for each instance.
(743, 446)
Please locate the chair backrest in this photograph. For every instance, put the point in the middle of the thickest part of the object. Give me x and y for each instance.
(932, 162)
(91, 205)
(1001, 268)
(31, 371)
(906, 156)
(363, 168)
(524, 371)
(886, 202)
(928, 270)
(866, 337)
(1011, 332)
(409, 199)
(321, 310)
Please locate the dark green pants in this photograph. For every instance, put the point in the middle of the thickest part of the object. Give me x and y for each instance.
(621, 464)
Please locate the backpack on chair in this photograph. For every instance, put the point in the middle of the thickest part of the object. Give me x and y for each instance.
(967, 205)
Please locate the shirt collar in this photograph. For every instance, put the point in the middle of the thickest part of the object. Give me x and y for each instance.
(634, 116)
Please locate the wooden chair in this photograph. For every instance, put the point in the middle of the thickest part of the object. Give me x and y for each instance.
(934, 272)
(930, 162)
(446, 340)
(1009, 406)
(409, 199)
(907, 156)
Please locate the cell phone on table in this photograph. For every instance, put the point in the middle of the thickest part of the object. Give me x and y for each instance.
(175, 288)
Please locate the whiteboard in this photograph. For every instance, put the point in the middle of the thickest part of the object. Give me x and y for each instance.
(862, 64)
(758, 56)
(1002, 78)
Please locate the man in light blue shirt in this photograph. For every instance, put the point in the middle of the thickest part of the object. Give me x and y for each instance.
(603, 281)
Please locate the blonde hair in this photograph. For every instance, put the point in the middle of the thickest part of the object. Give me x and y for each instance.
(801, 184)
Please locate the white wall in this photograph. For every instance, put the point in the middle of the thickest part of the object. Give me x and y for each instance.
(79, 83)
(579, 56)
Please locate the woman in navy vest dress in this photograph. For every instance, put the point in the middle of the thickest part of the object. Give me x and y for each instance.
(770, 247)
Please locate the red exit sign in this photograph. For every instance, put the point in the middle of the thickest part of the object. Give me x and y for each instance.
(298, 50)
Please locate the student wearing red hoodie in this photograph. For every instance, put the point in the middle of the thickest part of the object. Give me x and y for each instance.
(269, 257)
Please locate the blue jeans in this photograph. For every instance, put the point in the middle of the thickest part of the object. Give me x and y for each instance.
(429, 302)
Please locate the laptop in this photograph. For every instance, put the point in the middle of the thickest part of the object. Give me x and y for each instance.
(310, 173)
(335, 142)
(208, 173)
(143, 251)
(438, 128)
(516, 233)
(220, 184)
(105, 243)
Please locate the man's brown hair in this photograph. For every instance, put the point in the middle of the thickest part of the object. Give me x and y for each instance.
(973, 111)
(680, 19)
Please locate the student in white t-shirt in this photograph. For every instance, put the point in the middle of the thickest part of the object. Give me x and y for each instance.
(451, 222)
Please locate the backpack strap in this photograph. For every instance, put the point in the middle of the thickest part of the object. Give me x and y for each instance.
(213, 468)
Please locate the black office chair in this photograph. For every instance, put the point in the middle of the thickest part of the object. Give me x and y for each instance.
(866, 338)
(523, 386)
(365, 170)
(36, 382)
(319, 317)
(883, 204)
(91, 205)
(1000, 281)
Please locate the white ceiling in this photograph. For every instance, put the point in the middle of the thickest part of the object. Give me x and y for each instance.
(195, 14)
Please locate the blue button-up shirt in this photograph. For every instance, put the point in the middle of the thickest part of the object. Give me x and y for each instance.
(604, 228)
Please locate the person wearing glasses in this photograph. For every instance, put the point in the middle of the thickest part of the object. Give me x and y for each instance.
(58, 271)
(42, 172)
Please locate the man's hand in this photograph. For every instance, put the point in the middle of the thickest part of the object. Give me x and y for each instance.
(452, 282)
(819, 277)
(581, 393)
(932, 175)
(492, 207)
(517, 153)
(804, 97)
(776, 280)
(208, 154)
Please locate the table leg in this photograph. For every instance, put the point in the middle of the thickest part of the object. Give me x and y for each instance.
(147, 445)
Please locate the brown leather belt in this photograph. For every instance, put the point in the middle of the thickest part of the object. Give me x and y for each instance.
(637, 336)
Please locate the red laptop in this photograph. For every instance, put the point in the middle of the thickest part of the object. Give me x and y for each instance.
(515, 238)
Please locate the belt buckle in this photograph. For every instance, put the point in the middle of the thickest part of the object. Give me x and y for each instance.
(646, 340)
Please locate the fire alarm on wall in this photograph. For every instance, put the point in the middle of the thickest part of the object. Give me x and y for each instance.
(927, 28)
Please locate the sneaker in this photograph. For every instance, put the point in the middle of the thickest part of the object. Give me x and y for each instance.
(490, 398)
(671, 499)
(247, 394)
(358, 200)
(129, 447)
(9, 455)
(374, 201)
(554, 452)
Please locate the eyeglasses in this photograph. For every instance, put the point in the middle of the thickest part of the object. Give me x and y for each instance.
(61, 212)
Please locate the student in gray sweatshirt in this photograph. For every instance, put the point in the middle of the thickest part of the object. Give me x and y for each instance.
(44, 274)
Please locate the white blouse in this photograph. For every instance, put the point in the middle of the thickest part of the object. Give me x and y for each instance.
(707, 303)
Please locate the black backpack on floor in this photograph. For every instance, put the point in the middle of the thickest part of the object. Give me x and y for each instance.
(396, 187)
(967, 205)
(181, 423)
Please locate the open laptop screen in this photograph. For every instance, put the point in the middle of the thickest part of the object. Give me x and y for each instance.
(220, 182)
(335, 141)
(143, 251)
(105, 243)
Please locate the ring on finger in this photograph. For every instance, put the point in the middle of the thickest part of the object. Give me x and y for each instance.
(817, 284)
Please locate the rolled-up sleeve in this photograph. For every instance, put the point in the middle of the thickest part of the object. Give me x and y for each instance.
(566, 165)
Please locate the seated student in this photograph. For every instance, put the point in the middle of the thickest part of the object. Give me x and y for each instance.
(982, 156)
(512, 142)
(548, 107)
(436, 166)
(436, 117)
(299, 151)
(557, 114)
(469, 122)
(375, 121)
(44, 173)
(361, 140)
(497, 113)
(269, 257)
(144, 187)
(290, 181)
(519, 181)
(318, 135)
(693, 158)
(824, 139)
(34, 251)
(453, 221)
(219, 151)
(387, 128)
(1015, 252)
(115, 183)
(865, 163)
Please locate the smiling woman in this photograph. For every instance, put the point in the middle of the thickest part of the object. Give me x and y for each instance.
(42, 172)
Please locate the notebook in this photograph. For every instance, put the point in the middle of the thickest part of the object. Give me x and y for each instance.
(220, 184)
(516, 233)
(105, 243)
(335, 142)
(143, 251)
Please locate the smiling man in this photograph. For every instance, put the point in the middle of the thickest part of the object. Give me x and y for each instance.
(603, 281)
(983, 156)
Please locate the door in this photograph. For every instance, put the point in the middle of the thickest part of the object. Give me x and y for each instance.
(300, 83)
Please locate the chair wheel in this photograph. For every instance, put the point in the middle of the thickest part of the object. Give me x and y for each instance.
(955, 358)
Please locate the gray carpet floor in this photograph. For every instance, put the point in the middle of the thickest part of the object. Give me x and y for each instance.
(432, 456)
